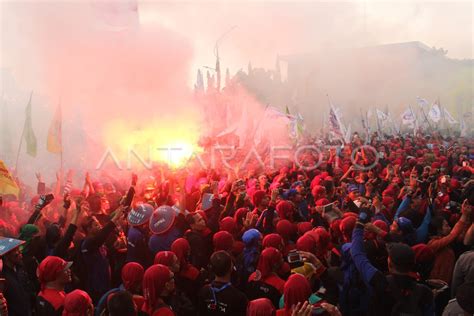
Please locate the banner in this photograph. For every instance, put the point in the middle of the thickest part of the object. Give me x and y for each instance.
(54, 144)
(7, 183)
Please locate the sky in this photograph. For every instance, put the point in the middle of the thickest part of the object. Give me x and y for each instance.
(264, 29)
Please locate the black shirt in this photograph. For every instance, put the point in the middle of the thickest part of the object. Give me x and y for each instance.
(221, 299)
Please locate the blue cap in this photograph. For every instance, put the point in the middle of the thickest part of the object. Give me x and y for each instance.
(250, 236)
(162, 219)
(140, 214)
(405, 225)
(8, 244)
(352, 188)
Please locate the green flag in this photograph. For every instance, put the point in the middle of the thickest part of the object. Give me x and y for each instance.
(30, 137)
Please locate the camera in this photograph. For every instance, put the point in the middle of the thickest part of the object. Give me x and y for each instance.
(294, 259)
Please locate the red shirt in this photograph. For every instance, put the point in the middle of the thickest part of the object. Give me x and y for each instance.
(54, 297)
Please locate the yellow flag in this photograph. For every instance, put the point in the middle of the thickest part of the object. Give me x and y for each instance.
(7, 183)
(55, 134)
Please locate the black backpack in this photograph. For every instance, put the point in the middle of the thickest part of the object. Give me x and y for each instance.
(408, 301)
(259, 289)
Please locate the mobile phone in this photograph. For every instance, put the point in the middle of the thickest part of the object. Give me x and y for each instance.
(328, 207)
(294, 257)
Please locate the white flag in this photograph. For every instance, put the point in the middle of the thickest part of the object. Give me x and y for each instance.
(449, 117)
(435, 113)
(381, 116)
(422, 102)
(408, 117)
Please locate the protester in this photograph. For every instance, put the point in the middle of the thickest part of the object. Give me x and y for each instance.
(220, 297)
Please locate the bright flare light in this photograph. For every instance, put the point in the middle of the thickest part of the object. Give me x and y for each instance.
(165, 142)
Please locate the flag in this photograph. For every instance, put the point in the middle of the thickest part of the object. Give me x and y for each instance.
(199, 86)
(7, 183)
(334, 124)
(55, 144)
(435, 113)
(408, 117)
(29, 135)
(449, 117)
(422, 102)
(464, 129)
(381, 116)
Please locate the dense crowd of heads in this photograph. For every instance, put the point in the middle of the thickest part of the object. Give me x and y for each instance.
(389, 230)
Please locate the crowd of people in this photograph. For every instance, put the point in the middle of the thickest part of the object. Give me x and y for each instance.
(354, 236)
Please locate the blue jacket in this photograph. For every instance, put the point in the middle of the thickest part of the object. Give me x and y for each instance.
(376, 280)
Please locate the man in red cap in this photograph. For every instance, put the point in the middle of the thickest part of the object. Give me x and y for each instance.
(53, 274)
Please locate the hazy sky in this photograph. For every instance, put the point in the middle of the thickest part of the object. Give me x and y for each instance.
(266, 28)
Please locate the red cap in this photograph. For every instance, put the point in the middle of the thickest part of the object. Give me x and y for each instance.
(76, 303)
(50, 268)
(223, 240)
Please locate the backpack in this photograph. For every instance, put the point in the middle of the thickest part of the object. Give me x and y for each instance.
(407, 302)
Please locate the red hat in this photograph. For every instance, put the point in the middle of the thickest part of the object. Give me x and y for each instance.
(223, 240)
(285, 209)
(318, 190)
(132, 275)
(228, 224)
(304, 227)
(297, 290)
(181, 248)
(387, 200)
(154, 281)
(272, 240)
(423, 253)
(76, 303)
(455, 184)
(269, 259)
(306, 243)
(50, 268)
(322, 238)
(381, 224)
(260, 307)
(347, 226)
(285, 228)
(164, 258)
(258, 197)
(322, 202)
